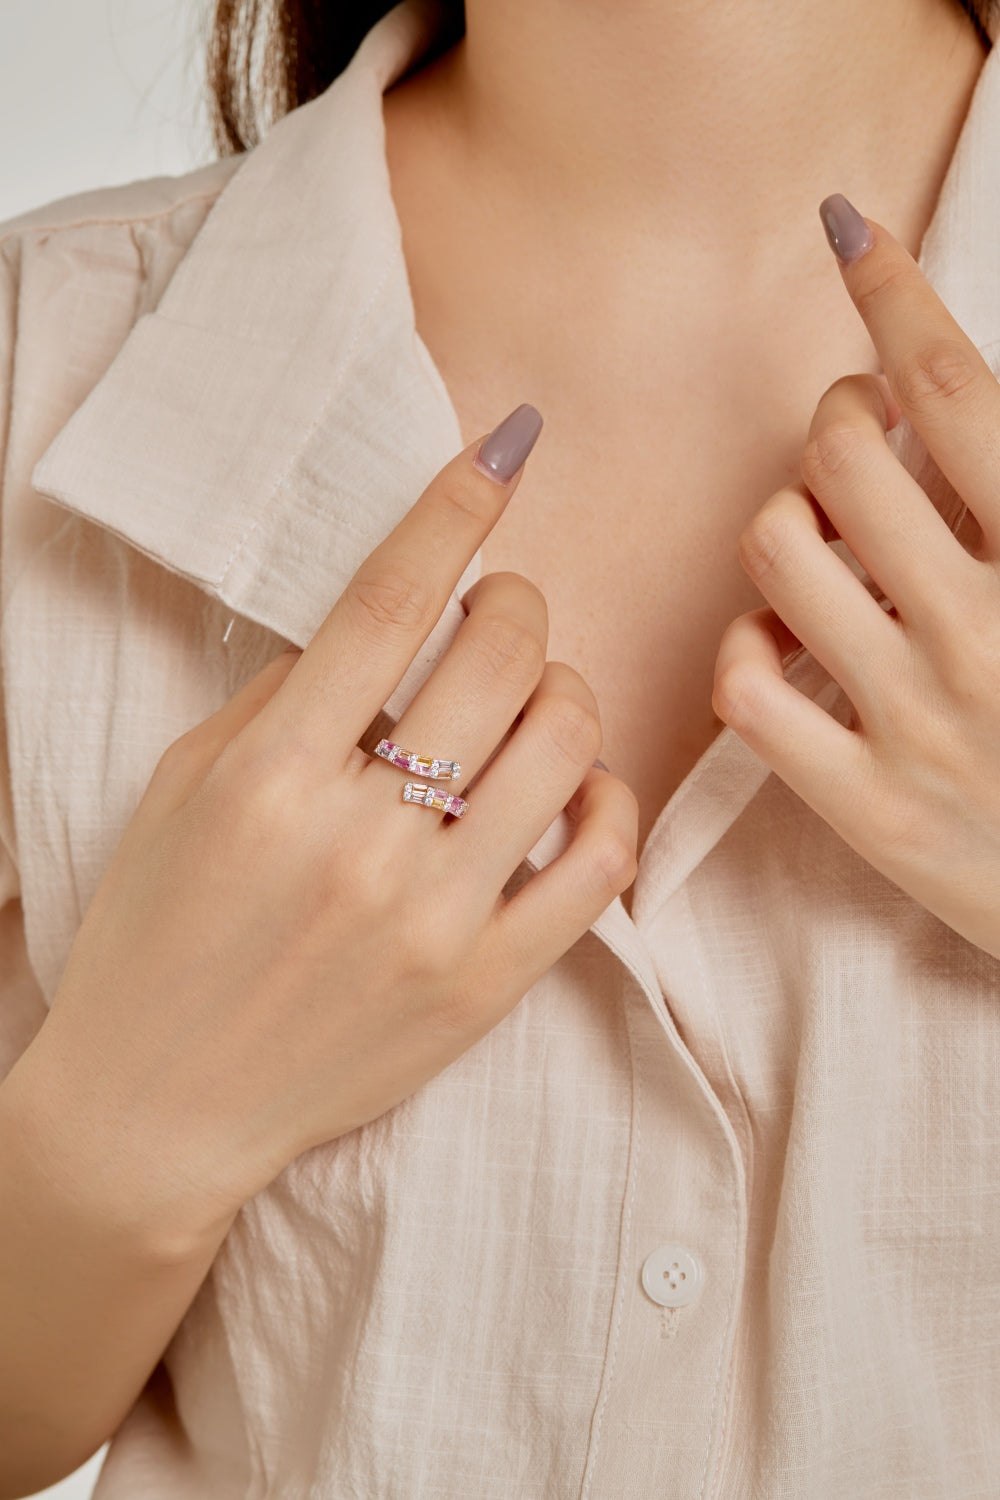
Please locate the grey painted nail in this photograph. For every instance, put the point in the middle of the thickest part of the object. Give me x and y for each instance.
(846, 230)
(601, 766)
(503, 452)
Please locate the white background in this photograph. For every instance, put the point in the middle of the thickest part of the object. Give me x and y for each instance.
(94, 92)
(98, 91)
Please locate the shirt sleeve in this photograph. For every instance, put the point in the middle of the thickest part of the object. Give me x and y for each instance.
(22, 1004)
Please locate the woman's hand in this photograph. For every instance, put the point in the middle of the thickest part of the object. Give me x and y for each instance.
(913, 784)
(281, 949)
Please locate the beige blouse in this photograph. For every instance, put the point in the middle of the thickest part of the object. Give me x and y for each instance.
(715, 1211)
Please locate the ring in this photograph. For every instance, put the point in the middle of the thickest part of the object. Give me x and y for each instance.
(424, 765)
(429, 796)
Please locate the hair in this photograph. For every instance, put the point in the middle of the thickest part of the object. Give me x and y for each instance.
(266, 57)
(305, 44)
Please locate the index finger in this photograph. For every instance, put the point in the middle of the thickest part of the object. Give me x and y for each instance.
(935, 372)
(392, 603)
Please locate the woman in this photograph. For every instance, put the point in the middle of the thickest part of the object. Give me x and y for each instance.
(630, 1132)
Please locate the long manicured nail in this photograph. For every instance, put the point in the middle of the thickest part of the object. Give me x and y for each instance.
(846, 230)
(503, 452)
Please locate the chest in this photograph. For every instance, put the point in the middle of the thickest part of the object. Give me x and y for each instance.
(639, 595)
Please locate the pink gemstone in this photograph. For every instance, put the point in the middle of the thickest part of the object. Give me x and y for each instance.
(401, 760)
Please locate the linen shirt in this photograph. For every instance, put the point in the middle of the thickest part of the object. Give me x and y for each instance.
(715, 1211)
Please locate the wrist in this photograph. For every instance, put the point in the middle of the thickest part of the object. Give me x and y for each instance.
(112, 1179)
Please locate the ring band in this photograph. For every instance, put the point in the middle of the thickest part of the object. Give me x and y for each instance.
(429, 796)
(423, 765)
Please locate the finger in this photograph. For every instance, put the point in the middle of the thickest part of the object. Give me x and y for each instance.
(471, 699)
(941, 381)
(534, 775)
(371, 635)
(877, 506)
(823, 603)
(821, 760)
(552, 910)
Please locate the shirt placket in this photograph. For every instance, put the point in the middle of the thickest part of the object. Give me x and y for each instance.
(660, 1418)
(661, 1425)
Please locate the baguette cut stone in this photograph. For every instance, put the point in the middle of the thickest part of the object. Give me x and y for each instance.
(429, 796)
(423, 765)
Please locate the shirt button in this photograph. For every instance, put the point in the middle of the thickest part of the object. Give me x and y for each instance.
(672, 1276)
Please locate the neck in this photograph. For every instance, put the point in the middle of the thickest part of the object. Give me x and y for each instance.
(707, 128)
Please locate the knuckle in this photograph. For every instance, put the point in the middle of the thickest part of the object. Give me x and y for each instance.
(524, 586)
(502, 646)
(181, 769)
(390, 600)
(268, 798)
(829, 451)
(251, 814)
(615, 864)
(573, 728)
(257, 756)
(765, 540)
(886, 282)
(363, 873)
(182, 756)
(502, 590)
(564, 680)
(735, 695)
(630, 803)
(505, 584)
(940, 372)
(471, 503)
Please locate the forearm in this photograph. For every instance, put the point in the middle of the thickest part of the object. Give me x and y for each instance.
(89, 1297)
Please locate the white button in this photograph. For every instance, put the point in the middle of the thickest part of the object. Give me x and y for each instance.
(672, 1276)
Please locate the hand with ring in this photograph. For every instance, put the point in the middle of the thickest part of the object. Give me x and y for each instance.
(280, 950)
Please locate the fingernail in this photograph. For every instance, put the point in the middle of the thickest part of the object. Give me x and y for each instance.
(846, 230)
(601, 766)
(503, 452)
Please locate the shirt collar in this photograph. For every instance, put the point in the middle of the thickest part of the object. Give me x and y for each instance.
(275, 416)
(278, 411)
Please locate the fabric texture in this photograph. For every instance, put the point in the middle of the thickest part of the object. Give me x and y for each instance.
(214, 404)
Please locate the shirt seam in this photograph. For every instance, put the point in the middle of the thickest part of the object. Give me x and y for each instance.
(95, 220)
